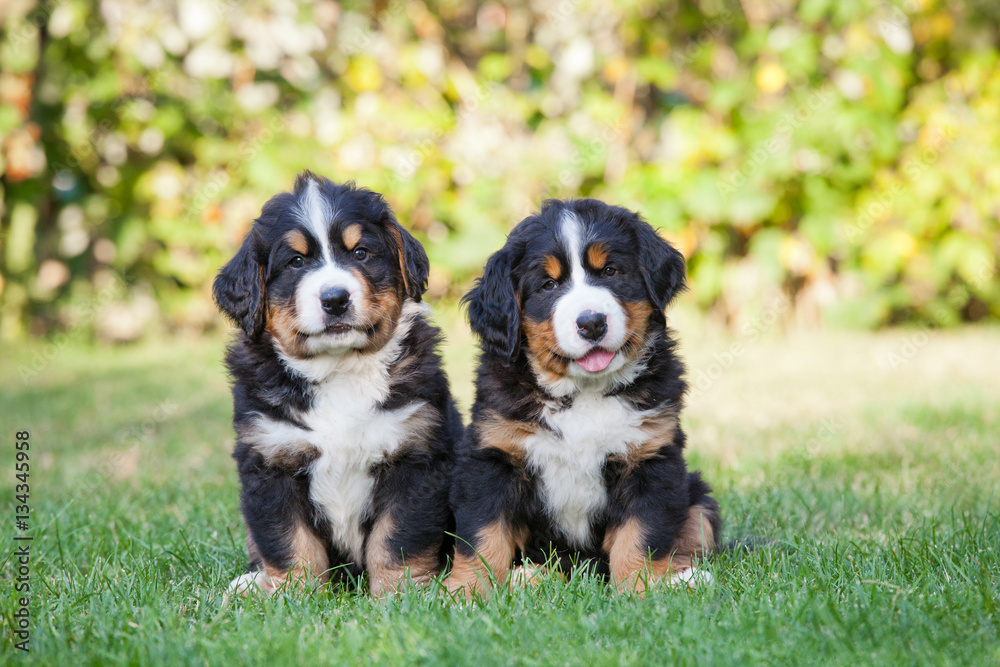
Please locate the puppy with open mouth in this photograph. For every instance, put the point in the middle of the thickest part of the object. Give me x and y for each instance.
(345, 425)
(575, 447)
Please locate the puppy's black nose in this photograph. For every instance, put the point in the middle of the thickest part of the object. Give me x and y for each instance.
(335, 301)
(592, 326)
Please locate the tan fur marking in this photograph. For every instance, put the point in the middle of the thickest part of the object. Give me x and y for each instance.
(627, 558)
(403, 370)
(379, 310)
(310, 554)
(637, 314)
(352, 236)
(294, 455)
(553, 268)
(420, 427)
(309, 564)
(597, 255)
(388, 570)
(660, 430)
(543, 349)
(384, 566)
(282, 326)
(495, 545)
(297, 241)
(697, 537)
(631, 567)
(505, 434)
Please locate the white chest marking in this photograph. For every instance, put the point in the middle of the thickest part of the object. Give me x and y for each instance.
(355, 436)
(348, 430)
(570, 461)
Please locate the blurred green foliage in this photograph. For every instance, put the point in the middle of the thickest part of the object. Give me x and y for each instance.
(844, 154)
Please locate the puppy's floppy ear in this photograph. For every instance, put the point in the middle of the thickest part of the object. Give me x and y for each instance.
(239, 289)
(494, 311)
(413, 261)
(661, 264)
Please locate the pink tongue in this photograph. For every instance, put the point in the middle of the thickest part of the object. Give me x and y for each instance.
(596, 360)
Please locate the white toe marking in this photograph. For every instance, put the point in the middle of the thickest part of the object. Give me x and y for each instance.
(693, 577)
(246, 584)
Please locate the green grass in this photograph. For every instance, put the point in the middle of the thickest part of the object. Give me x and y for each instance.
(877, 483)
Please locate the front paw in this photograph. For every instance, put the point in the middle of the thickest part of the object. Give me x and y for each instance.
(531, 575)
(691, 577)
(249, 584)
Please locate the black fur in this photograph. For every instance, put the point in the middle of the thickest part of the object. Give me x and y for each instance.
(493, 486)
(411, 483)
(661, 264)
(494, 314)
(275, 495)
(238, 288)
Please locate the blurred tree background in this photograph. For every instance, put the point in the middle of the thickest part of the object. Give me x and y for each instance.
(839, 155)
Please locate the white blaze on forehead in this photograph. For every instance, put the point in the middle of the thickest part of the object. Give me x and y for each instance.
(583, 296)
(317, 215)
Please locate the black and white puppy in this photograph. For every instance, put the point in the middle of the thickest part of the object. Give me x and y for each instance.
(345, 425)
(575, 446)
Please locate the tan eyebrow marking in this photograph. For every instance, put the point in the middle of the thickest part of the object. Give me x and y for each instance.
(597, 255)
(552, 267)
(297, 241)
(352, 235)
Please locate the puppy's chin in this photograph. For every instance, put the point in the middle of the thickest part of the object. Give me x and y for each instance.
(333, 343)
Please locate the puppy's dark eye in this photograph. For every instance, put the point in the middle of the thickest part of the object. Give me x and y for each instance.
(609, 271)
(549, 285)
(360, 254)
(296, 262)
